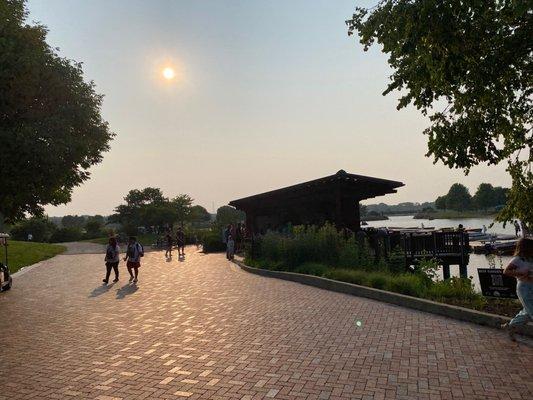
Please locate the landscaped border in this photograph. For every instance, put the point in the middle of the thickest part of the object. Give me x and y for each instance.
(447, 310)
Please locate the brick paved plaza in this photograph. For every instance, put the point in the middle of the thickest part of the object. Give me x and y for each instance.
(204, 329)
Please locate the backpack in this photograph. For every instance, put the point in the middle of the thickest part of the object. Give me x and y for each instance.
(141, 249)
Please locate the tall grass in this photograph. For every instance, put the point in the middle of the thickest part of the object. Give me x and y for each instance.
(329, 253)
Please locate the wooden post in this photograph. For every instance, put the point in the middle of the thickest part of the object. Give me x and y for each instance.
(446, 271)
(462, 271)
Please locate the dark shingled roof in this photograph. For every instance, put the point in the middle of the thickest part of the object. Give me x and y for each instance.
(362, 187)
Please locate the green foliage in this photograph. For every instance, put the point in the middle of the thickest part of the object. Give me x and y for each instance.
(475, 58)
(22, 254)
(73, 221)
(456, 291)
(212, 242)
(41, 229)
(66, 235)
(94, 226)
(229, 215)
(51, 130)
(312, 269)
(149, 207)
(199, 214)
(458, 198)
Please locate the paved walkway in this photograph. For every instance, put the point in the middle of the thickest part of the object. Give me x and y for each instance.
(204, 329)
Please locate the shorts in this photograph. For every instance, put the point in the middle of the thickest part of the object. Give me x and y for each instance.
(133, 264)
(180, 243)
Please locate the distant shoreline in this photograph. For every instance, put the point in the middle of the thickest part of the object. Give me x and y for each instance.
(449, 214)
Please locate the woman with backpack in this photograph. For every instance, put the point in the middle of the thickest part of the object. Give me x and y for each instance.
(133, 257)
(521, 267)
(112, 257)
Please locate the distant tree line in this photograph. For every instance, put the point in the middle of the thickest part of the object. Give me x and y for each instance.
(486, 197)
(401, 208)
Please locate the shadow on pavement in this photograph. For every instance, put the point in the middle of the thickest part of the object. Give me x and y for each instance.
(101, 290)
(126, 290)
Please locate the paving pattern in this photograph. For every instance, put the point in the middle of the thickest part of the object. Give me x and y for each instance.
(204, 329)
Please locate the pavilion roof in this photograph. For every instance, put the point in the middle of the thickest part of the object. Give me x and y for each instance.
(359, 187)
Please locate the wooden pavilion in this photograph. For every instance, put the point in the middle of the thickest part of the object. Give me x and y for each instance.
(334, 198)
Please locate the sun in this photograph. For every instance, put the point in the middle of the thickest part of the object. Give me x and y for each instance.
(169, 73)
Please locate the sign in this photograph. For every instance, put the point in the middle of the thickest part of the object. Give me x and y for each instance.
(495, 284)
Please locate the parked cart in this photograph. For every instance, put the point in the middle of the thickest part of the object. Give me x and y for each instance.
(5, 277)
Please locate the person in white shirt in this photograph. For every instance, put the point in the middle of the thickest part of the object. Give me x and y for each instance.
(112, 257)
(521, 267)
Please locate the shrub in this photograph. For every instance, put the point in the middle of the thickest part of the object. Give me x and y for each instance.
(409, 284)
(66, 235)
(312, 269)
(40, 228)
(212, 243)
(378, 280)
(347, 275)
(456, 290)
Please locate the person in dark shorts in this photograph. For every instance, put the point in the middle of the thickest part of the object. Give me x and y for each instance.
(168, 245)
(133, 258)
(180, 241)
(112, 257)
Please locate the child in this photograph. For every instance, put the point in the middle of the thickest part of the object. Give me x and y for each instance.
(521, 267)
(230, 252)
(112, 257)
(133, 257)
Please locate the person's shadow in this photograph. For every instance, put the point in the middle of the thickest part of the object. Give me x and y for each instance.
(126, 290)
(97, 291)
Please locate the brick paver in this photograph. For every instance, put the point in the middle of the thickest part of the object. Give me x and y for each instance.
(204, 329)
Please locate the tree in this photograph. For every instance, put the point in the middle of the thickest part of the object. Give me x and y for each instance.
(51, 130)
(199, 214)
(458, 198)
(475, 58)
(95, 226)
(228, 215)
(149, 207)
(440, 203)
(41, 228)
(484, 196)
(72, 221)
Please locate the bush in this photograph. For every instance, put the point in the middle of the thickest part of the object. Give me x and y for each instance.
(455, 290)
(212, 243)
(409, 284)
(40, 228)
(66, 235)
(348, 275)
(312, 269)
(378, 280)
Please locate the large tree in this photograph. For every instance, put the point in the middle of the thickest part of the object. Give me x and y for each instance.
(51, 130)
(458, 198)
(472, 62)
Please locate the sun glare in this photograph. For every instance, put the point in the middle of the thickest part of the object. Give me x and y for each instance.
(169, 73)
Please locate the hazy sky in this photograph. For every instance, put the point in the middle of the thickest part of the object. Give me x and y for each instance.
(267, 94)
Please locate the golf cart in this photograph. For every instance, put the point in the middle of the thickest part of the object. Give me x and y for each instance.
(5, 277)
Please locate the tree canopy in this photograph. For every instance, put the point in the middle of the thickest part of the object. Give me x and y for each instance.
(51, 130)
(486, 197)
(471, 61)
(149, 207)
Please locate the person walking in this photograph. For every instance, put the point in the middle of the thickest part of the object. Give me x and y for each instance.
(133, 258)
(168, 245)
(230, 250)
(516, 228)
(180, 239)
(521, 267)
(112, 258)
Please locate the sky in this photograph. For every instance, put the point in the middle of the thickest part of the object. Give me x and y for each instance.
(266, 94)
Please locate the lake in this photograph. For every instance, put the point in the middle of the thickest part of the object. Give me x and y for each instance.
(476, 260)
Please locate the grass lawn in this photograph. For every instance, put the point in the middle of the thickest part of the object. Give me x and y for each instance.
(22, 254)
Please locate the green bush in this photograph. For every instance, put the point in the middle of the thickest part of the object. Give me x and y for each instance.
(455, 290)
(409, 284)
(41, 229)
(378, 280)
(66, 235)
(348, 275)
(212, 243)
(312, 269)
